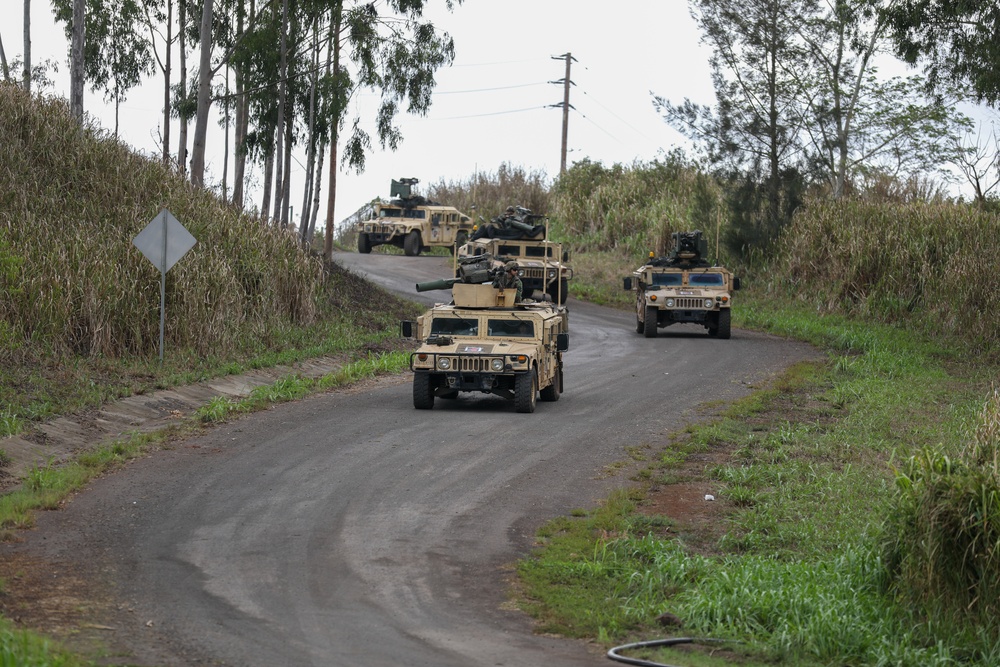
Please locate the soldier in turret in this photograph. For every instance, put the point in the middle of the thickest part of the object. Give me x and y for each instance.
(509, 279)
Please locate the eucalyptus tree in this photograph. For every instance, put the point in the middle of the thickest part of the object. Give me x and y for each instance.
(27, 45)
(394, 52)
(116, 54)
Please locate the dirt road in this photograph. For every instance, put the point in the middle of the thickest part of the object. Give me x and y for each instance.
(349, 529)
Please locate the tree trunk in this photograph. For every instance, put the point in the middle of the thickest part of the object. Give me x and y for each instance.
(225, 152)
(27, 46)
(166, 84)
(182, 135)
(307, 182)
(265, 204)
(242, 115)
(331, 197)
(204, 97)
(76, 60)
(279, 150)
(3, 62)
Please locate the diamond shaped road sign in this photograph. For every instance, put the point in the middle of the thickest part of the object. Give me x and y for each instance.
(164, 241)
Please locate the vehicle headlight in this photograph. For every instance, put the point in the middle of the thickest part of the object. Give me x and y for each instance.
(520, 273)
(552, 273)
(670, 303)
(709, 303)
(444, 363)
(497, 365)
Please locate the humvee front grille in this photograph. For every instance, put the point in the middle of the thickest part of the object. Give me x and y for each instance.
(689, 302)
(473, 364)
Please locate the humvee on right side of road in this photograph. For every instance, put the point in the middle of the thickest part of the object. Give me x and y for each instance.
(413, 223)
(520, 235)
(485, 342)
(683, 287)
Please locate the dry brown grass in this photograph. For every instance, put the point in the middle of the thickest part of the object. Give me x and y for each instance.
(71, 201)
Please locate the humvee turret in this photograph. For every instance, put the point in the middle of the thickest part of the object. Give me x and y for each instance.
(413, 223)
(484, 342)
(683, 287)
(520, 235)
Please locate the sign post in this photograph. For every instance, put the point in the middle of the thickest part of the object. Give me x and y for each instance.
(164, 241)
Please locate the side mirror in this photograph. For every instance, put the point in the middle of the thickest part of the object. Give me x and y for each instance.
(562, 341)
(627, 283)
(565, 256)
(406, 329)
(736, 283)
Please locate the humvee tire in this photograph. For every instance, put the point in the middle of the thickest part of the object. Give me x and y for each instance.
(725, 317)
(364, 244)
(525, 389)
(411, 244)
(423, 392)
(551, 393)
(649, 325)
(559, 291)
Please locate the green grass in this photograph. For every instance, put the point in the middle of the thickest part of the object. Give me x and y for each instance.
(797, 573)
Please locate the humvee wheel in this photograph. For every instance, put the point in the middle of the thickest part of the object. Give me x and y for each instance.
(551, 393)
(525, 389)
(423, 391)
(411, 244)
(724, 323)
(649, 325)
(560, 291)
(364, 244)
(639, 326)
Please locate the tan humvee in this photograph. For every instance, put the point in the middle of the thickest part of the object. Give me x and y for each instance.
(520, 236)
(413, 223)
(683, 287)
(484, 342)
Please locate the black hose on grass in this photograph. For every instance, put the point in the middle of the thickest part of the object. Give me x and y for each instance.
(673, 641)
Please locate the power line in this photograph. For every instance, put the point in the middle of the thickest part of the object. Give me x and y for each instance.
(494, 113)
(483, 90)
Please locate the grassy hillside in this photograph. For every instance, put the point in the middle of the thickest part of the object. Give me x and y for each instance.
(79, 317)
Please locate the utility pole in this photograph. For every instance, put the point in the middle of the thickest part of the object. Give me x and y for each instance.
(568, 57)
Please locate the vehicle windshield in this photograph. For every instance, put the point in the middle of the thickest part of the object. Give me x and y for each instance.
(454, 326)
(508, 328)
(714, 279)
(509, 250)
(538, 251)
(666, 279)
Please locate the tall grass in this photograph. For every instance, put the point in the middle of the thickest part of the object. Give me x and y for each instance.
(71, 201)
(635, 209)
(486, 194)
(931, 265)
(942, 541)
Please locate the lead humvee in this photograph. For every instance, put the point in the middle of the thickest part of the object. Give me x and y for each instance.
(484, 342)
(683, 287)
(413, 223)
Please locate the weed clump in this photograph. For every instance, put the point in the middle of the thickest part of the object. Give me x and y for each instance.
(941, 545)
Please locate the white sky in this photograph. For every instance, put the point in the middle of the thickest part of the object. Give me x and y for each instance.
(490, 106)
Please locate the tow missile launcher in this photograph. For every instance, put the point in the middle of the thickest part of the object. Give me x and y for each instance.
(485, 342)
(471, 270)
(683, 287)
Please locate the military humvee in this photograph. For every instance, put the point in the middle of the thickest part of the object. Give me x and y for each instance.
(683, 287)
(413, 223)
(485, 342)
(519, 235)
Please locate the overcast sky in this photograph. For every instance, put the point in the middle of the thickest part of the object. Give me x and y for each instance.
(493, 105)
